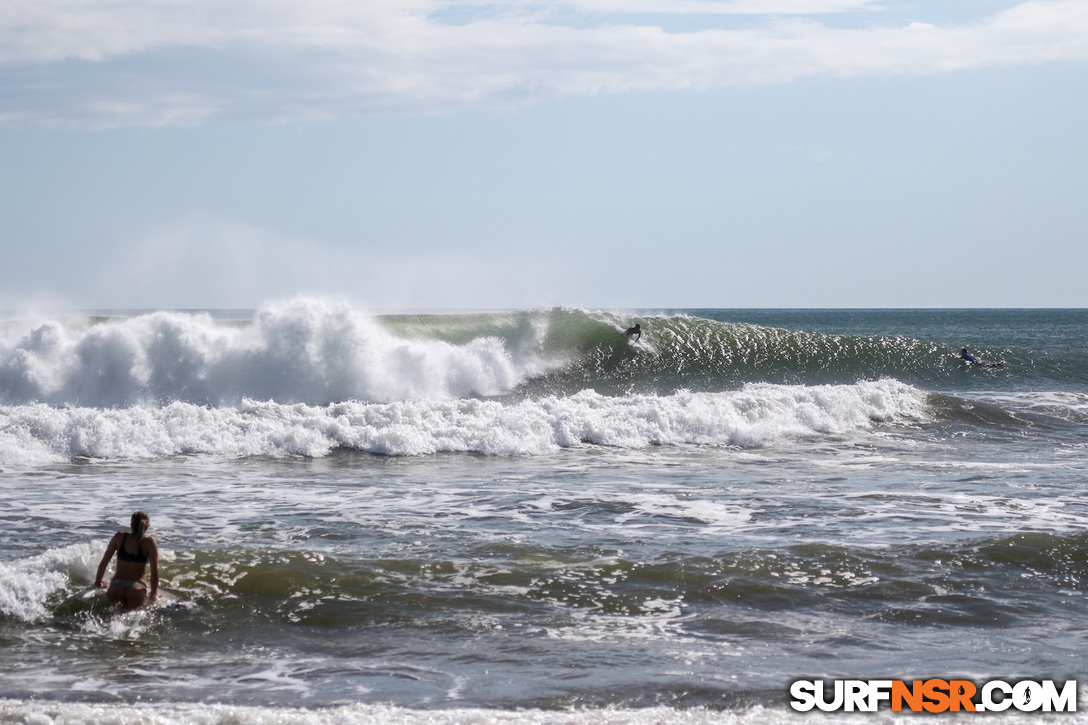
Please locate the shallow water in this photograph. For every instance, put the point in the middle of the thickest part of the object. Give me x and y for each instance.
(680, 527)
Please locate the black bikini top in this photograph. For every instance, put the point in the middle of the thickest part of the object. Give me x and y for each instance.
(137, 558)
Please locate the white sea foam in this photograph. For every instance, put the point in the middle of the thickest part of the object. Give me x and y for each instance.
(55, 713)
(304, 351)
(26, 585)
(757, 415)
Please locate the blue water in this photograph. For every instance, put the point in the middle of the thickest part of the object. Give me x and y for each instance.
(523, 517)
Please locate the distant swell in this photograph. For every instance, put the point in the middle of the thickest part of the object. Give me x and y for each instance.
(756, 415)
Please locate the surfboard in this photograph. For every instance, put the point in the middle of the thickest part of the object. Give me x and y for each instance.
(979, 363)
(167, 603)
(93, 599)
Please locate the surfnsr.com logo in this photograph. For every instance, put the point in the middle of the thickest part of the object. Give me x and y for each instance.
(934, 695)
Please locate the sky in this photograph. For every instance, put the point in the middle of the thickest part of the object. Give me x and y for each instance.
(616, 154)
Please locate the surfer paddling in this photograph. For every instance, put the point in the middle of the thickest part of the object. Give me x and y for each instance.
(633, 333)
(136, 552)
(972, 360)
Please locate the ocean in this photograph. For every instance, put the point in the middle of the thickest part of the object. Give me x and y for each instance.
(525, 517)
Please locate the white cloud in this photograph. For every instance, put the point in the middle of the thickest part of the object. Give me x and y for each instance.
(176, 61)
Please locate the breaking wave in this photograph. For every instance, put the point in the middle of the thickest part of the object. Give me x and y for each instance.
(756, 415)
(308, 351)
(319, 352)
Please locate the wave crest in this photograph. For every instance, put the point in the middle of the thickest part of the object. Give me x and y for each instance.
(305, 351)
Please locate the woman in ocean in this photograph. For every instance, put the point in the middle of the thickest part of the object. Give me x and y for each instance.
(135, 553)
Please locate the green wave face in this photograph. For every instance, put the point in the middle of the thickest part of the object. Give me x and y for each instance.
(589, 350)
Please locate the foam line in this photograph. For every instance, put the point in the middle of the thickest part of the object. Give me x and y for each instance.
(756, 415)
